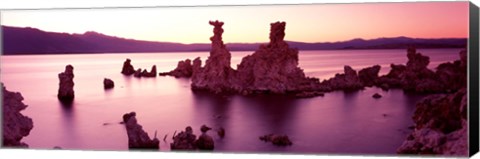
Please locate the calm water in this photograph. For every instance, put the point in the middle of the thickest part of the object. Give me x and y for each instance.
(336, 123)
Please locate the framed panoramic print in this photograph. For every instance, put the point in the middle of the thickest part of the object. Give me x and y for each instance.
(390, 79)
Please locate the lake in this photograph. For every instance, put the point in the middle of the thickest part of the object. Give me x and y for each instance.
(338, 123)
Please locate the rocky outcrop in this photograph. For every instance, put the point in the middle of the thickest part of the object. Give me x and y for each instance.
(127, 68)
(279, 140)
(416, 77)
(152, 73)
(440, 126)
(369, 75)
(184, 140)
(137, 137)
(348, 81)
(205, 142)
(217, 74)
(65, 90)
(376, 96)
(108, 83)
(15, 125)
(184, 69)
(273, 68)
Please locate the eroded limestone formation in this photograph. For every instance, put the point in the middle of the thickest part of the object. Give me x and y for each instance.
(137, 137)
(217, 74)
(184, 140)
(348, 81)
(15, 125)
(65, 91)
(108, 83)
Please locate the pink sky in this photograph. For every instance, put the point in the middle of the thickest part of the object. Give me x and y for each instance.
(307, 23)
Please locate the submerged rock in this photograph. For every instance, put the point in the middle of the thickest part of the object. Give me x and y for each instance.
(15, 125)
(137, 137)
(279, 140)
(65, 90)
(127, 68)
(184, 69)
(221, 132)
(108, 83)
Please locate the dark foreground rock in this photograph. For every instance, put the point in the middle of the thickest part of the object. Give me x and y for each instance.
(137, 137)
(184, 69)
(376, 96)
(127, 68)
(369, 75)
(348, 81)
(108, 83)
(65, 90)
(440, 126)
(15, 126)
(152, 73)
(279, 140)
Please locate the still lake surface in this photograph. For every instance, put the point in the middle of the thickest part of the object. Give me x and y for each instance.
(352, 123)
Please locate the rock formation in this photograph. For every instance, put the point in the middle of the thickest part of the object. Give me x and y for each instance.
(65, 91)
(127, 68)
(369, 75)
(441, 119)
(348, 81)
(137, 137)
(108, 83)
(138, 73)
(279, 140)
(205, 142)
(440, 126)
(376, 96)
(273, 68)
(184, 140)
(152, 73)
(14, 125)
(416, 77)
(217, 74)
(184, 69)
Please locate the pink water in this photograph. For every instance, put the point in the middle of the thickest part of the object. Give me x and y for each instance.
(336, 123)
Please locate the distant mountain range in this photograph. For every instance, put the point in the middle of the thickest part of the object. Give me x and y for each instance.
(16, 40)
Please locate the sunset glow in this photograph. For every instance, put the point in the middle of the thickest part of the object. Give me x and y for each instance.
(306, 23)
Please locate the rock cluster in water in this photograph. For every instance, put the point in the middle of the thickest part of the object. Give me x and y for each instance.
(137, 137)
(65, 90)
(441, 119)
(186, 140)
(128, 70)
(273, 68)
(184, 69)
(15, 126)
(416, 77)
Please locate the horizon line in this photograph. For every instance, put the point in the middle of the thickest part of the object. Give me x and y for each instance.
(126, 38)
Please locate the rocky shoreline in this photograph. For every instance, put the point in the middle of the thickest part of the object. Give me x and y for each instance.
(15, 125)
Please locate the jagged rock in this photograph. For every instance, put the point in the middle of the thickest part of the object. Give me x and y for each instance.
(348, 81)
(205, 142)
(215, 76)
(279, 140)
(184, 140)
(440, 126)
(184, 69)
(369, 75)
(108, 83)
(15, 125)
(376, 96)
(127, 68)
(65, 91)
(138, 73)
(152, 73)
(137, 137)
